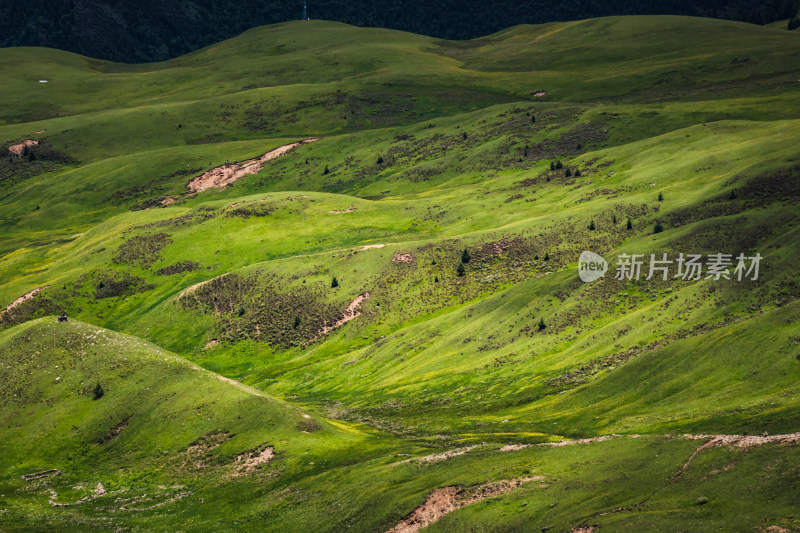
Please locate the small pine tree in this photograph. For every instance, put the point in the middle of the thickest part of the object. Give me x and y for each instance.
(547, 256)
(327, 170)
(592, 226)
(533, 119)
(334, 282)
(660, 197)
(614, 218)
(629, 224)
(559, 165)
(436, 279)
(658, 228)
(433, 261)
(464, 135)
(568, 173)
(98, 392)
(296, 321)
(465, 257)
(380, 160)
(732, 195)
(552, 165)
(460, 270)
(541, 324)
(577, 173)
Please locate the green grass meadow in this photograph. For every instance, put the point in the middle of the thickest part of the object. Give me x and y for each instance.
(198, 380)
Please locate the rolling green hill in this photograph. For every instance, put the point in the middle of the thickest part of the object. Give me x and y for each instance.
(321, 278)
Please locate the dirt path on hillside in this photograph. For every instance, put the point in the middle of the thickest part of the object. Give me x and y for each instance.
(98, 491)
(375, 246)
(737, 441)
(23, 298)
(224, 175)
(445, 500)
(351, 311)
(192, 288)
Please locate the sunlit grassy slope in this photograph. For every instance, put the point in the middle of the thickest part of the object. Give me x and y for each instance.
(425, 148)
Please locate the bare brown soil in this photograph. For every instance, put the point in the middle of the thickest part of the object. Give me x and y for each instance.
(351, 311)
(195, 455)
(445, 500)
(226, 174)
(513, 447)
(374, 246)
(211, 344)
(579, 441)
(19, 149)
(23, 298)
(249, 461)
(403, 258)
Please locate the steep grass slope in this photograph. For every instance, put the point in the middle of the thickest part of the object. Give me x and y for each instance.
(450, 205)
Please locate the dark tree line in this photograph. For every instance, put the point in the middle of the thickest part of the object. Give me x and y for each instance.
(152, 30)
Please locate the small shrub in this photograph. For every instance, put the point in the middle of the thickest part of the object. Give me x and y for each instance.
(702, 500)
(658, 228)
(660, 197)
(541, 324)
(559, 165)
(614, 218)
(552, 165)
(629, 224)
(464, 135)
(592, 226)
(460, 270)
(568, 173)
(334, 282)
(326, 171)
(98, 392)
(577, 173)
(547, 256)
(732, 195)
(465, 257)
(379, 161)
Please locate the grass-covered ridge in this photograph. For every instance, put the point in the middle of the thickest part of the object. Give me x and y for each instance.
(450, 205)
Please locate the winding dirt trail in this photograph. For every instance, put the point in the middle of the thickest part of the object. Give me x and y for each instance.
(224, 175)
(351, 311)
(23, 298)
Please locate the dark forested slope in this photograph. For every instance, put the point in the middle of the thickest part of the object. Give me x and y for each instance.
(153, 30)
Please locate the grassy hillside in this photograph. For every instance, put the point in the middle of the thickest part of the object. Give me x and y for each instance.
(214, 327)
